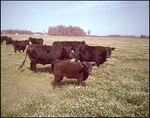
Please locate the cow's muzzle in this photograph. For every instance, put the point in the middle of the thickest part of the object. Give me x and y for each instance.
(90, 73)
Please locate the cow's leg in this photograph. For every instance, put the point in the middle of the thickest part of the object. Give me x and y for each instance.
(34, 66)
(59, 82)
(80, 78)
(14, 49)
(77, 58)
(52, 68)
(55, 83)
(31, 66)
(97, 62)
(58, 78)
(79, 82)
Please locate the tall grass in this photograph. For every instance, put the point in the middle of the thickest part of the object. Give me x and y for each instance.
(119, 87)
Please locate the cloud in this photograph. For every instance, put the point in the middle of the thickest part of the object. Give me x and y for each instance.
(74, 7)
(86, 6)
(33, 9)
(110, 5)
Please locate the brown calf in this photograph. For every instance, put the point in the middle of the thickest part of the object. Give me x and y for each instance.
(76, 70)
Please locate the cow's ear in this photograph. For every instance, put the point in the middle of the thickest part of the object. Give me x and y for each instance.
(112, 48)
(83, 66)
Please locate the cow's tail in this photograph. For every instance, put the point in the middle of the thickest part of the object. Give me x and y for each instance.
(23, 63)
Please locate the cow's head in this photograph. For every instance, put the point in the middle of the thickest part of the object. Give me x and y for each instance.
(27, 42)
(87, 68)
(83, 42)
(56, 43)
(30, 38)
(68, 52)
(108, 51)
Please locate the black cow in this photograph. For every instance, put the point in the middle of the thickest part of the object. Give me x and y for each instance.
(97, 54)
(58, 44)
(72, 44)
(3, 38)
(36, 40)
(20, 45)
(9, 41)
(45, 54)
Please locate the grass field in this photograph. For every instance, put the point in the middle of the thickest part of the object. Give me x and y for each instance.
(118, 88)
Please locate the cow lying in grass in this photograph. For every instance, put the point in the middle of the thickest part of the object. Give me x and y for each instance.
(76, 70)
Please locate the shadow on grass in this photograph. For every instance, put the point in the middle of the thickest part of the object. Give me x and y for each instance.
(70, 82)
(43, 70)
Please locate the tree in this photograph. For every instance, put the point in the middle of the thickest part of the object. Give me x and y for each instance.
(61, 30)
(144, 36)
(89, 32)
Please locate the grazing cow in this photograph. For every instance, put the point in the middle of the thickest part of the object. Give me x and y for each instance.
(44, 54)
(72, 44)
(36, 40)
(97, 54)
(3, 38)
(76, 70)
(72, 55)
(20, 45)
(9, 41)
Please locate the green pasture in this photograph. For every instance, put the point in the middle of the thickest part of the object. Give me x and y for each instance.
(118, 88)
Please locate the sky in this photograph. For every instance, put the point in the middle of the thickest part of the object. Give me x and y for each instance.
(100, 17)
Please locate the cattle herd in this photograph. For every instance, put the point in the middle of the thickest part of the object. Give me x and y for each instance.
(59, 54)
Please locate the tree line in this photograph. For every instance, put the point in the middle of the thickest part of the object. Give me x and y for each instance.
(11, 31)
(129, 36)
(61, 30)
(24, 32)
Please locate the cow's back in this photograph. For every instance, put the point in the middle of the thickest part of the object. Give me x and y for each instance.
(36, 40)
(67, 68)
(72, 44)
(21, 44)
(3, 38)
(85, 53)
(44, 54)
(9, 41)
(91, 54)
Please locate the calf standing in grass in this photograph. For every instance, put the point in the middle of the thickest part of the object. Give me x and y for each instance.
(76, 70)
